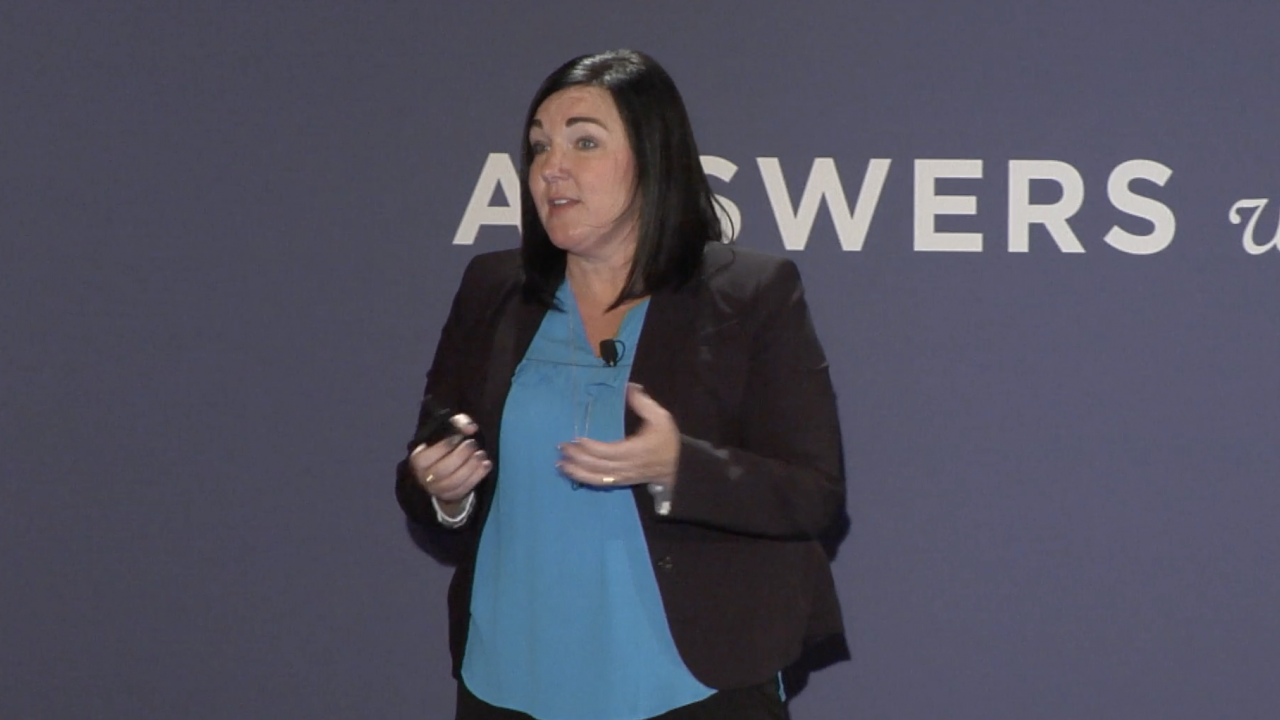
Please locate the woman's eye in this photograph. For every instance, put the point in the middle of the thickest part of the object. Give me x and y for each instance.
(586, 143)
(537, 148)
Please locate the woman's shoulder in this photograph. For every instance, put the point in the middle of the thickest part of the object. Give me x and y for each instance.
(496, 262)
(492, 271)
(737, 270)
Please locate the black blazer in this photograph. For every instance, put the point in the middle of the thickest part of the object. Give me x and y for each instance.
(733, 356)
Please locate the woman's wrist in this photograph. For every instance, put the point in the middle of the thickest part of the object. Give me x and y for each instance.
(662, 494)
(452, 513)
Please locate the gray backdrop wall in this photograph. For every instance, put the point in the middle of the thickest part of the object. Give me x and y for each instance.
(229, 243)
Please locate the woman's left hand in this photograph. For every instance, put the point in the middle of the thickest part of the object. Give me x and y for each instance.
(649, 456)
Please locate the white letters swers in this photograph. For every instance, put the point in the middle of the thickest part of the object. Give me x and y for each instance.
(823, 186)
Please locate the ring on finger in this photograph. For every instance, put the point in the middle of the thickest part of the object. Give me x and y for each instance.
(608, 479)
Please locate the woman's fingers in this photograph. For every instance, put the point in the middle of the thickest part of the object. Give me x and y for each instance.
(445, 467)
(425, 456)
(650, 454)
(592, 462)
(598, 477)
(598, 450)
(464, 424)
(644, 406)
(465, 479)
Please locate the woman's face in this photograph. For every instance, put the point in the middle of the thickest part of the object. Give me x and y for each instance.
(583, 174)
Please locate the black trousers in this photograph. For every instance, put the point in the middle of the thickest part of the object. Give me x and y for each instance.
(760, 702)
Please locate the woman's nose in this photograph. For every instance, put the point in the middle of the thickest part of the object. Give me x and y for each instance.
(552, 164)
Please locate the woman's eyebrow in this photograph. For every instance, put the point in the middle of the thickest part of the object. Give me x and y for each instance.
(572, 121)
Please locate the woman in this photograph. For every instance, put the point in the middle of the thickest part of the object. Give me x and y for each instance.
(638, 529)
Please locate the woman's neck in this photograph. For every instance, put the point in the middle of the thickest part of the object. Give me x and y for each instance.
(596, 283)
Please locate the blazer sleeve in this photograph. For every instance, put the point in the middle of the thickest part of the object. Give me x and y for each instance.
(786, 477)
(445, 381)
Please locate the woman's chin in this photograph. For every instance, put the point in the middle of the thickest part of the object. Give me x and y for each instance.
(573, 245)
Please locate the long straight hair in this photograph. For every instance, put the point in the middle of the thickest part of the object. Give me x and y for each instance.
(676, 208)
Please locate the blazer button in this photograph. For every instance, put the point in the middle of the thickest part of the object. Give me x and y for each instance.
(664, 563)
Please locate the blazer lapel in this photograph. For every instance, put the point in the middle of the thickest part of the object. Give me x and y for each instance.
(670, 341)
(666, 347)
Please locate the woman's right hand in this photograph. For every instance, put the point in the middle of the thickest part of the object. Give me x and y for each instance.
(450, 469)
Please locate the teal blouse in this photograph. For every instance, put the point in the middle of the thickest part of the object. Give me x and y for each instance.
(566, 619)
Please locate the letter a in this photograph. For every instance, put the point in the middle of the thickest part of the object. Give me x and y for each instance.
(497, 171)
